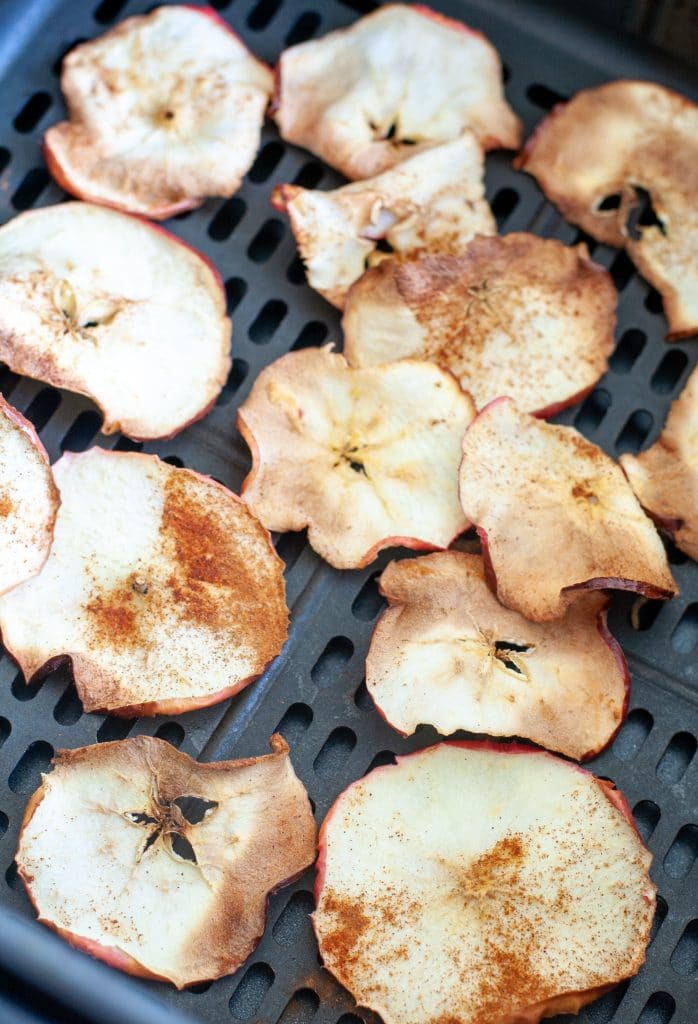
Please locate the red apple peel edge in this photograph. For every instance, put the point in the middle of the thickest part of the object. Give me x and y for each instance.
(109, 427)
(597, 583)
(411, 543)
(614, 796)
(166, 211)
(163, 707)
(609, 640)
(30, 431)
(209, 12)
(112, 955)
(62, 179)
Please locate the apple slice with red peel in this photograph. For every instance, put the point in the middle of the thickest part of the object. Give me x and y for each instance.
(447, 654)
(162, 590)
(165, 110)
(366, 97)
(28, 499)
(518, 315)
(366, 459)
(613, 150)
(481, 883)
(555, 515)
(665, 477)
(159, 865)
(433, 202)
(98, 302)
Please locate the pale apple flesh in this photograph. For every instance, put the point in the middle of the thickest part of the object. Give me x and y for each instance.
(157, 864)
(484, 883)
(515, 315)
(432, 202)
(349, 100)
(28, 499)
(614, 149)
(665, 476)
(447, 654)
(162, 590)
(98, 302)
(365, 459)
(555, 515)
(165, 110)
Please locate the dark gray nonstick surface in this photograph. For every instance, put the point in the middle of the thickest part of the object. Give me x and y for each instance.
(314, 694)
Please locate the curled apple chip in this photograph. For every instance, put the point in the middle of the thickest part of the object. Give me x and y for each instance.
(516, 315)
(165, 109)
(620, 161)
(162, 590)
(447, 653)
(28, 499)
(665, 477)
(366, 459)
(433, 202)
(100, 303)
(366, 97)
(481, 883)
(160, 865)
(555, 515)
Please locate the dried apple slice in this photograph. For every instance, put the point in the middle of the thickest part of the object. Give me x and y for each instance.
(366, 459)
(162, 590)
(165, 109)
(519, 315)
(481, 883)
(433, 202)
(611, 151)
(160, 865)
(28, 499)
(555, 515)
(665, 477)
(368, 96)
(447, 654)
(111, 307)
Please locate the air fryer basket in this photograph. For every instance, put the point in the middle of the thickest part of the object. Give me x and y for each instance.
(314, 694)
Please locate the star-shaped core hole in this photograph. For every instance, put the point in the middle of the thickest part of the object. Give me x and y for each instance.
(390, 134)
(507, 652)
(66, 304)
(195, 808)
(170, 821)
(350, 456)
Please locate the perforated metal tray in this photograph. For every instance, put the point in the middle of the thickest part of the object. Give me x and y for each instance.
(314, 693)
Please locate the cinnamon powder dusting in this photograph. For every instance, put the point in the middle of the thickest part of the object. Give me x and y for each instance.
(6, 505)
(114, 616)
(339, 943)
(507, 979)
(496, 867)
(210, 569)
(221, 580)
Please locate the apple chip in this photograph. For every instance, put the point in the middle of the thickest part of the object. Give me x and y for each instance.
(165, 109)
(366, 459)
(433, 202)
(160, 865)
(555, 515)
(28, 499)
(519, 315)
(620, 161)
(368, 96)
(481, 883)
(665, 477)
(162, 590)
(447, 654)
(116, 309)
